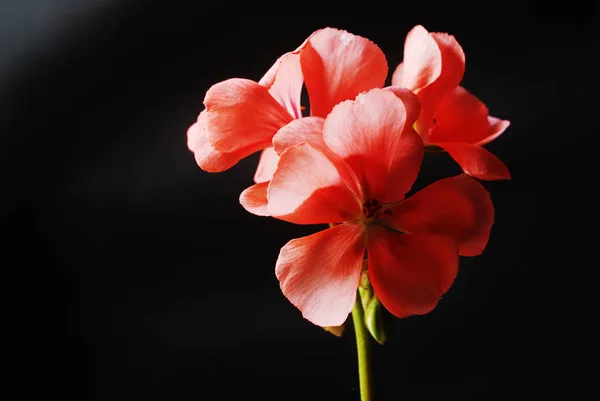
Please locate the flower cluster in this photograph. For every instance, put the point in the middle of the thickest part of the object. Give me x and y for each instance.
(351, 161)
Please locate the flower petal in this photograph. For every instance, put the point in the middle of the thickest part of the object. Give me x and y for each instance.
(310, 130)
(497, 127)
(409, 273)
(410, 100)
(284, 81)
(207, 157)
(241, 116)
(319, 273)
(337, 66)
(477, 161)
(368, 134)
(254, 199)
(462, 117)
(422, 61)
(433, 65)
(456, 207)
(266, 165)
(306, 129)
(307, 188)
(405, 166)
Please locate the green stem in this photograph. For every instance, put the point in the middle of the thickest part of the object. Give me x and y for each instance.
(362, 347)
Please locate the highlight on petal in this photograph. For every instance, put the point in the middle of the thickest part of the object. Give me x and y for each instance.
(306, 129)
(477, 161)
(266, 165)
(337, 66)
(410, 272)
(307, 188)
(319, 273)
(241, 116)
(368, 134)
(207, 157)
(462, 117)
(456, 207)
(284, 81)
(254, 199)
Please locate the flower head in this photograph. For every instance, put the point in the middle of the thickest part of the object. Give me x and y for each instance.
(451, 118)
(353, 169)
(242, 116)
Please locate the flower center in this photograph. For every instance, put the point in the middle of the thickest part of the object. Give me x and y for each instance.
(373, 208)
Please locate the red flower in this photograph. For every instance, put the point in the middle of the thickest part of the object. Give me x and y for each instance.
(242, 116)
(451, 117)
(353, 169)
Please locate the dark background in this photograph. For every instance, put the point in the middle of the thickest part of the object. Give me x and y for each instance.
(130, 274)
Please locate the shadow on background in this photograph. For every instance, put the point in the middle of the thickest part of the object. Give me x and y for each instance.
(131, 274)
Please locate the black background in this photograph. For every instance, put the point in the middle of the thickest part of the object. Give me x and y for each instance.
(130, 274)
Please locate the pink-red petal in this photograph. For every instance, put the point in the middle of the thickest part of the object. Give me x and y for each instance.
(368, 134)
(207, 157)
(410, 273)
(306, 129)
(284, 81)
(266, 165)
(462, 117)
(307, 188)
(310, 130)
(254, 199)
(497, 127)
(433, 65)
(241, 116)
(319, 273)
(422, 61)
(456, 207)
(337, 66)
(477, 161)
(410, 100)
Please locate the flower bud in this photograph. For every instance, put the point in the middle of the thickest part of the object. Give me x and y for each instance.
(376, 316)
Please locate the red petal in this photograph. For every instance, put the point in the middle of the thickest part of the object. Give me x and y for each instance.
(433, 65)
(266, 165)
(307, 129)
(410, 273)
(254, 199)
(461, 117)
(456, 207)
(477, 161)
(497, 127)
(368, 134)
(319, 274)
(284, 81)
(241, 116)
(310, 130)
(410, 100)
(207, 157)
(422, 63)
(307, 188)
(337, 66)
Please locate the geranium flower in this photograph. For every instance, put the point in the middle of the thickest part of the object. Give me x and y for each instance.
(242, 116)
(451, 118)
(353, 169)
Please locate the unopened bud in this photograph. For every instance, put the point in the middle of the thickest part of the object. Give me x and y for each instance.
(375, 315)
